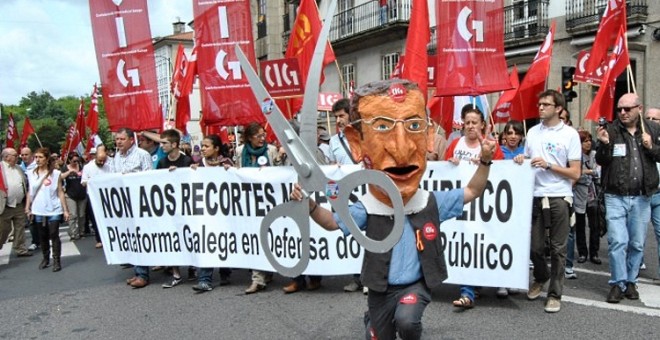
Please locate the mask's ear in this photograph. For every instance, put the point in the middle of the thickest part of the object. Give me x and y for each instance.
(430, 133)
(354, 141)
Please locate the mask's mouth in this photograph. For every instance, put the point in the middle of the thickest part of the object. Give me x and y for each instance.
(401, 171)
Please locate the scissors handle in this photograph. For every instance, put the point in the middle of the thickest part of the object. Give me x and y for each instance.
(340, 204)
(299, 212)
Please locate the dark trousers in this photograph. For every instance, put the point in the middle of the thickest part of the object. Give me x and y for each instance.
(556, 220)
(399, 309)
(580, 233)
(89, 217)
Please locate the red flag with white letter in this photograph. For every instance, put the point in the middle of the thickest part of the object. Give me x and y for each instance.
(12, 131)
(470, 48)
(613, 18)
(604, 101)
(177, 76)
(227, 98)
(503, 109)
(127, 66)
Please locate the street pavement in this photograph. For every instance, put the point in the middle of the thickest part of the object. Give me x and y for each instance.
(89, 300)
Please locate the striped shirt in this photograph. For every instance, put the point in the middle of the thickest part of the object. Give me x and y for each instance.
(135, 160)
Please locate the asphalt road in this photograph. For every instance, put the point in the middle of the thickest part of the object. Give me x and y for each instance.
(90, 300)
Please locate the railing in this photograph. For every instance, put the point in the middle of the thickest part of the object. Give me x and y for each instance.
(580, 12)
(526, 19)
(366, 17)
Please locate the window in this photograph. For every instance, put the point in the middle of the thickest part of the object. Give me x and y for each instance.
(388, 63)
(348, 77)
(261, 19)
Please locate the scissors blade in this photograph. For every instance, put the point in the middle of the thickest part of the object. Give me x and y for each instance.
(309, 108)
(311, 176)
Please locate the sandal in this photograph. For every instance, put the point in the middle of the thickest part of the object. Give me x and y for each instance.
(464, 302)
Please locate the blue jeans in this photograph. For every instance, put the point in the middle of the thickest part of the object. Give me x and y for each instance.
(570, 251)
(655, 219)
(205, 275)
(142, 272)
(383, 14)
(627, 217)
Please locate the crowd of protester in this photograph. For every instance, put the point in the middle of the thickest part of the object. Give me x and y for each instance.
(577, 199)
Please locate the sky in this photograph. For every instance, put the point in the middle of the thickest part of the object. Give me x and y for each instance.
(48, 45)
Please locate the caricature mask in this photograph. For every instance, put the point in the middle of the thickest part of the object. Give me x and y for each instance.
(395, 134)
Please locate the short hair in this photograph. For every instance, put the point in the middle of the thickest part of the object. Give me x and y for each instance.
(557, 97)
(5, 152)
(171, 136)
(372, 89)
(342, 104)
(128, 131)
(251, 130)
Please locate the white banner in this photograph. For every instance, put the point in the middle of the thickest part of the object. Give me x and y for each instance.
(210, 217)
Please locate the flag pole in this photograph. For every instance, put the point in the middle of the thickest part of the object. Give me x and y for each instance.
(341, 78)
(38, 140)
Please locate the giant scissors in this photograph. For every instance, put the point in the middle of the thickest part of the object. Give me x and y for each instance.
(311, 177)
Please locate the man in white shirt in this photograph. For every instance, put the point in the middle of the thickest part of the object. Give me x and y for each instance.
(555, 151)
(14, 212)
(340, 152)
(96, 167)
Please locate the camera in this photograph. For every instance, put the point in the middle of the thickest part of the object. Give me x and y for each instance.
(602, 122)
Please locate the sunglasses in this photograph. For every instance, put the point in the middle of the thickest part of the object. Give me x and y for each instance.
(627, 109)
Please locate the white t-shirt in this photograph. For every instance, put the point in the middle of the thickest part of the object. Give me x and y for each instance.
(464, 152)
(91, 170)
(45, 202)
(557, 145)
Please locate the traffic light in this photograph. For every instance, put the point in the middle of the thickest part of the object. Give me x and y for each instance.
(567, 83)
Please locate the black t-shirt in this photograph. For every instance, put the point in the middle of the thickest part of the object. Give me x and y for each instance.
(183, 161)
(74, 189)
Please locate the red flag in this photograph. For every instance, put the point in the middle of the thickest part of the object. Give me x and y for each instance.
(28, 130)
(470, 48)
(524, 106)
(12, 131)
(189, 72)
(182, 113)
(442, 112)
(419, 34)
(604, 101)
(613, 18)
(502, 112)
(175, 85)
(302, 41)
(69, 142)
(93, 113)
(125, 55)
(80, 122)
(227, 98)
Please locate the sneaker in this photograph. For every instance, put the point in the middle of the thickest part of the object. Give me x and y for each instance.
(354, 286)
(535, 290)
(365, 290)
(202, 287)
(631, 291)
(553, 305)
(570, 274)
(32, 247)
(615, 294)
(502, 292)
(175, 281)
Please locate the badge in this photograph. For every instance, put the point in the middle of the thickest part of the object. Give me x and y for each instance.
(331, 190)
(267, 106)
(397, 92)
(409, 299)
(47, 182)
(262, 160)
(430, 231)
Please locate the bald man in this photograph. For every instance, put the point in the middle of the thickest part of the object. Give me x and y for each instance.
(628, 153)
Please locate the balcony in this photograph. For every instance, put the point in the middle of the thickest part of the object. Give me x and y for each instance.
(584, 16)
(362, 26)
(525, 21)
